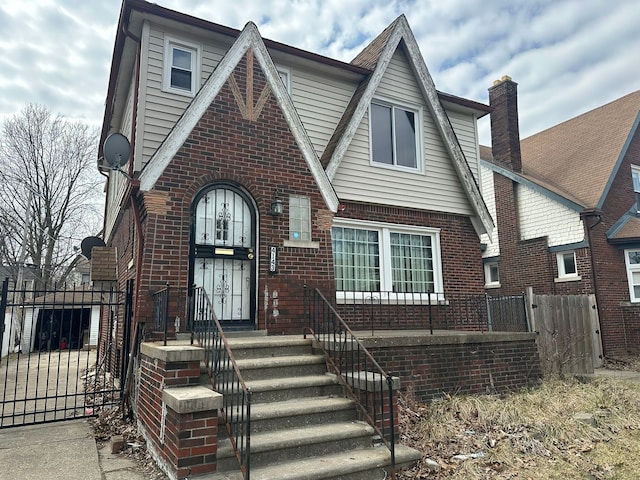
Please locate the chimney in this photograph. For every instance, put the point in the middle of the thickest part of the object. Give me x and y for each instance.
(505, 132)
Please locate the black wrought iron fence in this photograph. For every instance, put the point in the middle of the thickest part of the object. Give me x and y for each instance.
(225, 376)
(52, 366)
(366, 382)
(432, 311)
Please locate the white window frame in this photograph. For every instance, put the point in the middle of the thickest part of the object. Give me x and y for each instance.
(386, 279)
(563, 276)
(635, 180)
(285, 76)
(631, 269)
(488, 282)
(417, 111)
(169, 44)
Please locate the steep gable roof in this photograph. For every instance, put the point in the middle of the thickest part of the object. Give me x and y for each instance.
(377, 56)
(249, 39)
(581, 156)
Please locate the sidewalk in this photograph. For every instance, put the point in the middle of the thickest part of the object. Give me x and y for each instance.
(64, 450)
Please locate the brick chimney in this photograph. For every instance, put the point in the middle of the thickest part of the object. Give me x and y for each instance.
(505, 132)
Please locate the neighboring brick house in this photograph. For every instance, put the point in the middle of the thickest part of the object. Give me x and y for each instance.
(257, 167)
(567, 218)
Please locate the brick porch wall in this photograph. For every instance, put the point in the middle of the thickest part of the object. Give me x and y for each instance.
(460, 364)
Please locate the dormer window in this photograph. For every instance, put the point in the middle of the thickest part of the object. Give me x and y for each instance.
(181, 67)
(395, 136)
(635, 175)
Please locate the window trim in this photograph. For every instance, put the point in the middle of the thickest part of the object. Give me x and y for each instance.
(307, 219)
(630, 270)
(287, 73)
(195, 50)
(418, 114)
(488, 283)
(563, 276)
(635, 171)
(386, 277)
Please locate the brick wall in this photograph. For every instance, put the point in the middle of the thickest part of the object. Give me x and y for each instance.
(432, 366)
(619, 319)
(259, 157)
(184, 443)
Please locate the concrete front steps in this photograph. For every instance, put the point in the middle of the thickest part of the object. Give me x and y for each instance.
(302, 425)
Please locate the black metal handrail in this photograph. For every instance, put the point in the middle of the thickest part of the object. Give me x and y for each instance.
(161, 311)
(366, 382)
(225, 376)
(433, 311)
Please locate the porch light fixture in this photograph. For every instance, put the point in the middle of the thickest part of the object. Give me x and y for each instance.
(277, 207)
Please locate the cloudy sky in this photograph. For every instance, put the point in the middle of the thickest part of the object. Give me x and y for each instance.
(568, 56)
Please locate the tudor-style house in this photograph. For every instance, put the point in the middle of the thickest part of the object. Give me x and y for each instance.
(565, 201)
(276, 191)
(257, 168)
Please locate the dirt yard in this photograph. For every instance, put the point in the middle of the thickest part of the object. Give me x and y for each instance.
(566, 429)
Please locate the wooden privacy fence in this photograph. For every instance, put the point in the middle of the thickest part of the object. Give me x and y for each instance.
(569, 332)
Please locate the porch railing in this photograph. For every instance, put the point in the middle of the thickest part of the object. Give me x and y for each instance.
(225, 376)
(161, 311)
(433, 311)
(349, 359)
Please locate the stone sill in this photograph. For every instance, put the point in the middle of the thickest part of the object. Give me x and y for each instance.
(571, 278)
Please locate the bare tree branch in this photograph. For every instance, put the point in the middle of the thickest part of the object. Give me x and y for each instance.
(49, 160)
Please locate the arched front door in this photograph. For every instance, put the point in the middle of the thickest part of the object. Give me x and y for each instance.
(223, 253)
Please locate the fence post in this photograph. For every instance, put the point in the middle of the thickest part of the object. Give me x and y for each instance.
(529, 313)
(3, 310)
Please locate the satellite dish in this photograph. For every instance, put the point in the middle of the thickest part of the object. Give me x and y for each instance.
(116, 150)
(88, 243)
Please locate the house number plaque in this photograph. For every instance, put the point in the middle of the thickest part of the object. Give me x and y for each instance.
(273, 259)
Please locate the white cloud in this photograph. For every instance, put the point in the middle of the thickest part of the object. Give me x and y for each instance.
(567, 56)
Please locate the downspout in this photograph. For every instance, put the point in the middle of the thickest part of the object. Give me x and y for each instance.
(134, 114)
(585, 214)
(135, 184)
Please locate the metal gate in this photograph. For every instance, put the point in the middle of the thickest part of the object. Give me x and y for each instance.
(61, 352)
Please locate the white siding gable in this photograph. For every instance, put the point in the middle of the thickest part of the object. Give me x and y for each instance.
(320, 102)
(438, 188)
(162, 108)
(465, 128)
(488, 193)
(541, 216)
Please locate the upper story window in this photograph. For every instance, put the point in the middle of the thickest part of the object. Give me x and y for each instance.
(632, 261)
(635, 175)
(181, 66)
(285, 76)
(395, 136)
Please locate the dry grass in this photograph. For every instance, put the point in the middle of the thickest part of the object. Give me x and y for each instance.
(530, 435)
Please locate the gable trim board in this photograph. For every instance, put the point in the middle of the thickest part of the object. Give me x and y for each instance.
(532, 185)
(568, 246)
(621, 223)
(249, 39)
(619, 161)
(483, 222)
